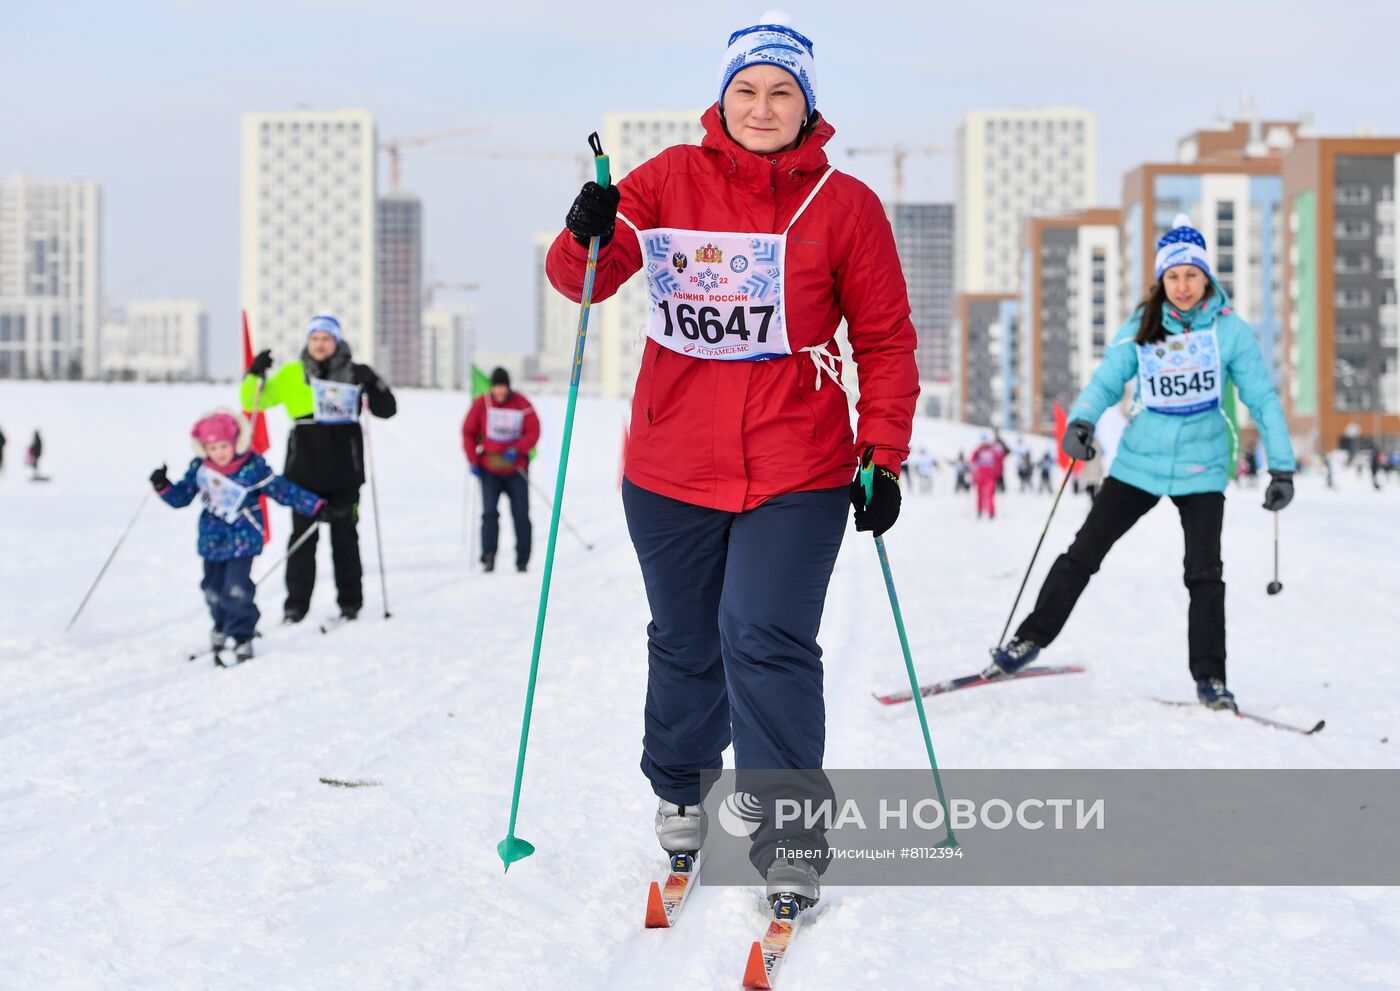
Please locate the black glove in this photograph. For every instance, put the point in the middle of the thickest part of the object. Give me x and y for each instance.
(159, 481)
(1280, 490)
(261, 363)
(883, 510)
(594, 213)
(1078, 441)
(363, 376)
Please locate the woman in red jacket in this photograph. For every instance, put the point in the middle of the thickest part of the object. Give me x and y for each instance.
(740, 457)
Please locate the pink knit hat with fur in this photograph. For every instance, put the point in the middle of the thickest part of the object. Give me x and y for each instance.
(219, 426)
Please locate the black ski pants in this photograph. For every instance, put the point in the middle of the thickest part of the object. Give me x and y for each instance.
(345, 556)
(1115, 510)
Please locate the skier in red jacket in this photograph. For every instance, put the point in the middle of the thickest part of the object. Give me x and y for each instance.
(739, 464)
(500, 431)
(987, 463)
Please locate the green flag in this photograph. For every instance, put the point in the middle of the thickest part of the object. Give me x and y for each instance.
(481, 382)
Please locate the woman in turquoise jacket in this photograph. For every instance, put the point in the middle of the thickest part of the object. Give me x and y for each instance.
(1184, 346)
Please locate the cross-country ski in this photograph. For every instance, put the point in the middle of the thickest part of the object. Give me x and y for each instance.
(975, 681)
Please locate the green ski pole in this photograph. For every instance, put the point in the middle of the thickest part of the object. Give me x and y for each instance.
(867, 482)
(513, 848)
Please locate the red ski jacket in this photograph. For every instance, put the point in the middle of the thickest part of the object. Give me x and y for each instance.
(988, 460)
(487, 438)
(732, 434)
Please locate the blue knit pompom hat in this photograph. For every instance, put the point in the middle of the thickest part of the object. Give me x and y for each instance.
(1182, 245)
(772, 41)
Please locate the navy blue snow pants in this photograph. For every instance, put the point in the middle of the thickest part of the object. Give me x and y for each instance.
(736, 601)
(517, 489)
(228, 588)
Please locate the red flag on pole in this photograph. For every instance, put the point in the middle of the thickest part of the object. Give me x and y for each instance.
(260, 442)
(1060, 425)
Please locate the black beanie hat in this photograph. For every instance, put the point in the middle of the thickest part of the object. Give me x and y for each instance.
(500, 377)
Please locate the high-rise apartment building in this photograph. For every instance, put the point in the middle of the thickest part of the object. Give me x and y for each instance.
(1341, 304)
(399, 269)
(630, 139)
(924, 237)
(556, 329)
(308, 227)
(50, 278)
(1070, 308)
(164, 340)
(1012, 165)
(445, 361)
(987, 328)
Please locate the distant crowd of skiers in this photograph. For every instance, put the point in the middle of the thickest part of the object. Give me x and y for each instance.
(983, 474)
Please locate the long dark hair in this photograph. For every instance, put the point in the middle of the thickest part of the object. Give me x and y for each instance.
(1150, 329)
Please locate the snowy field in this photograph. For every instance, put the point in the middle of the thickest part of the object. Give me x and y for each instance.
(163, 825)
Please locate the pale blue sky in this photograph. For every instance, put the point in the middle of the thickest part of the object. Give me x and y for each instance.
(146, 98)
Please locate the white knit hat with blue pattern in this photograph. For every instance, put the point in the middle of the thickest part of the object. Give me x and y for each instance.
(772, 41)
(1182, 245)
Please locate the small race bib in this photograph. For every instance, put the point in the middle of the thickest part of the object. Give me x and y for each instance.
(504, 425)
(222, 495)
(335, 402)
(1181, 375)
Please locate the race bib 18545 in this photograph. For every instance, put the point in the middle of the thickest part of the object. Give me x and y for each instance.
(1180, 375)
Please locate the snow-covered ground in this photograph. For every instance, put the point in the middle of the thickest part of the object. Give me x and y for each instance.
(162, 824)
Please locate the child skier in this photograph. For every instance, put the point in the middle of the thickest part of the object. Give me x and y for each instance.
(228, 477)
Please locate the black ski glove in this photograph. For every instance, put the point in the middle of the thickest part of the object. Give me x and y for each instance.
(363, 376)
(883, 510)
(261, 363)
(1078, 441)
(594, 213)
(159, 480)
(1280, 490)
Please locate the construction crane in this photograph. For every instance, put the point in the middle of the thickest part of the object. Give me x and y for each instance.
(584, 162)
(432, 286)
(899, 153)
(394, 145)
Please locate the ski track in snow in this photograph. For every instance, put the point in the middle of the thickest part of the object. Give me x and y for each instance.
(162, 823)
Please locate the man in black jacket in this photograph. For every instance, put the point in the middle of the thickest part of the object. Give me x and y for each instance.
(323, 392)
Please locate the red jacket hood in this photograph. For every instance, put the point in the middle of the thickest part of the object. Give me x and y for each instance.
(754, 169)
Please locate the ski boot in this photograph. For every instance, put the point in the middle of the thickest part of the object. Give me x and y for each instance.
(292, 615)
(681, 828)
(488, 562)
(349, 614)
(794, 882)
(217, 639)
(242, 651)
(1214, 695)
(1011, 658)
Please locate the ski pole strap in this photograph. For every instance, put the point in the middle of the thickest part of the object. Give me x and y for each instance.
(867, 475)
